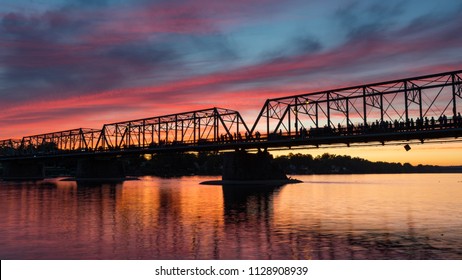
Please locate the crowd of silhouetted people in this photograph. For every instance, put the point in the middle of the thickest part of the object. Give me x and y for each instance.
(425, 123)
(443, 122)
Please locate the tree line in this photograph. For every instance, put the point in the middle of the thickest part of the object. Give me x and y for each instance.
(181, 164)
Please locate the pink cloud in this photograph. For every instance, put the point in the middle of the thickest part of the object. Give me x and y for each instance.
(244, 88)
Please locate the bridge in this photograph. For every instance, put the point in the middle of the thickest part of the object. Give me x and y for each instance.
(424, 108)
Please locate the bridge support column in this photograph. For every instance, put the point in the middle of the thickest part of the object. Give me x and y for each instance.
(23, 170)
(96, 168)
(242, 166)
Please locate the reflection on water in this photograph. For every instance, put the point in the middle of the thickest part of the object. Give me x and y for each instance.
(326, 217)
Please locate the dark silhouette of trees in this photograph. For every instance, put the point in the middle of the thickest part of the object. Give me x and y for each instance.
(209, 163)
(335, 164)
(181, 164)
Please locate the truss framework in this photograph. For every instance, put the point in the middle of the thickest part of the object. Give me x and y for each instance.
(80, 139)
(405, 101)
(190, 128)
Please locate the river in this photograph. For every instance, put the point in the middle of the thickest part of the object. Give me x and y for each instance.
(398, 216)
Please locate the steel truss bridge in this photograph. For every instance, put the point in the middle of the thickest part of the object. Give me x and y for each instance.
(420, 108)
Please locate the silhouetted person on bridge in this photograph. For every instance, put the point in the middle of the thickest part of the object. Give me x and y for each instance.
(419, 123)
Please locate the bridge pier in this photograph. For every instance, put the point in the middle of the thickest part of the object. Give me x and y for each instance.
(242, 166)
(99, 169)
(23, 170)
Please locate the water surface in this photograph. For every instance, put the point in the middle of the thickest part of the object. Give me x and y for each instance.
(409, 216)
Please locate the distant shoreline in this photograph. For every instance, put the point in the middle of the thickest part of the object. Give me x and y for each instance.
(292, 164)
(210, 164)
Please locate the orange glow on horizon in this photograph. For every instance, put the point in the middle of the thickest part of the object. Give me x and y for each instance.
(447, 154)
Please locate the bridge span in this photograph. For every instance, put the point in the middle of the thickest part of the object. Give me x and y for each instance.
(419, 108)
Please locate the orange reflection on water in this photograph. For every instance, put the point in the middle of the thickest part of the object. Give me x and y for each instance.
(327, 217)
(174, 214)
(408, 207)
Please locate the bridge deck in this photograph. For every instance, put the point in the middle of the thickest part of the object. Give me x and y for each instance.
(315, 138)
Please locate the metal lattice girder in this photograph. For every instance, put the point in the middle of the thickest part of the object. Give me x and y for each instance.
(9, 147)
(189, 128)
(10, 143)
(80, 139)
(402, 100)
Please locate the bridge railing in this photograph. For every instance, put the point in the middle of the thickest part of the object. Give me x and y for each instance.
(386, 127)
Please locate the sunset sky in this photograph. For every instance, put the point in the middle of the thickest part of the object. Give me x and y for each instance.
(81, 63)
